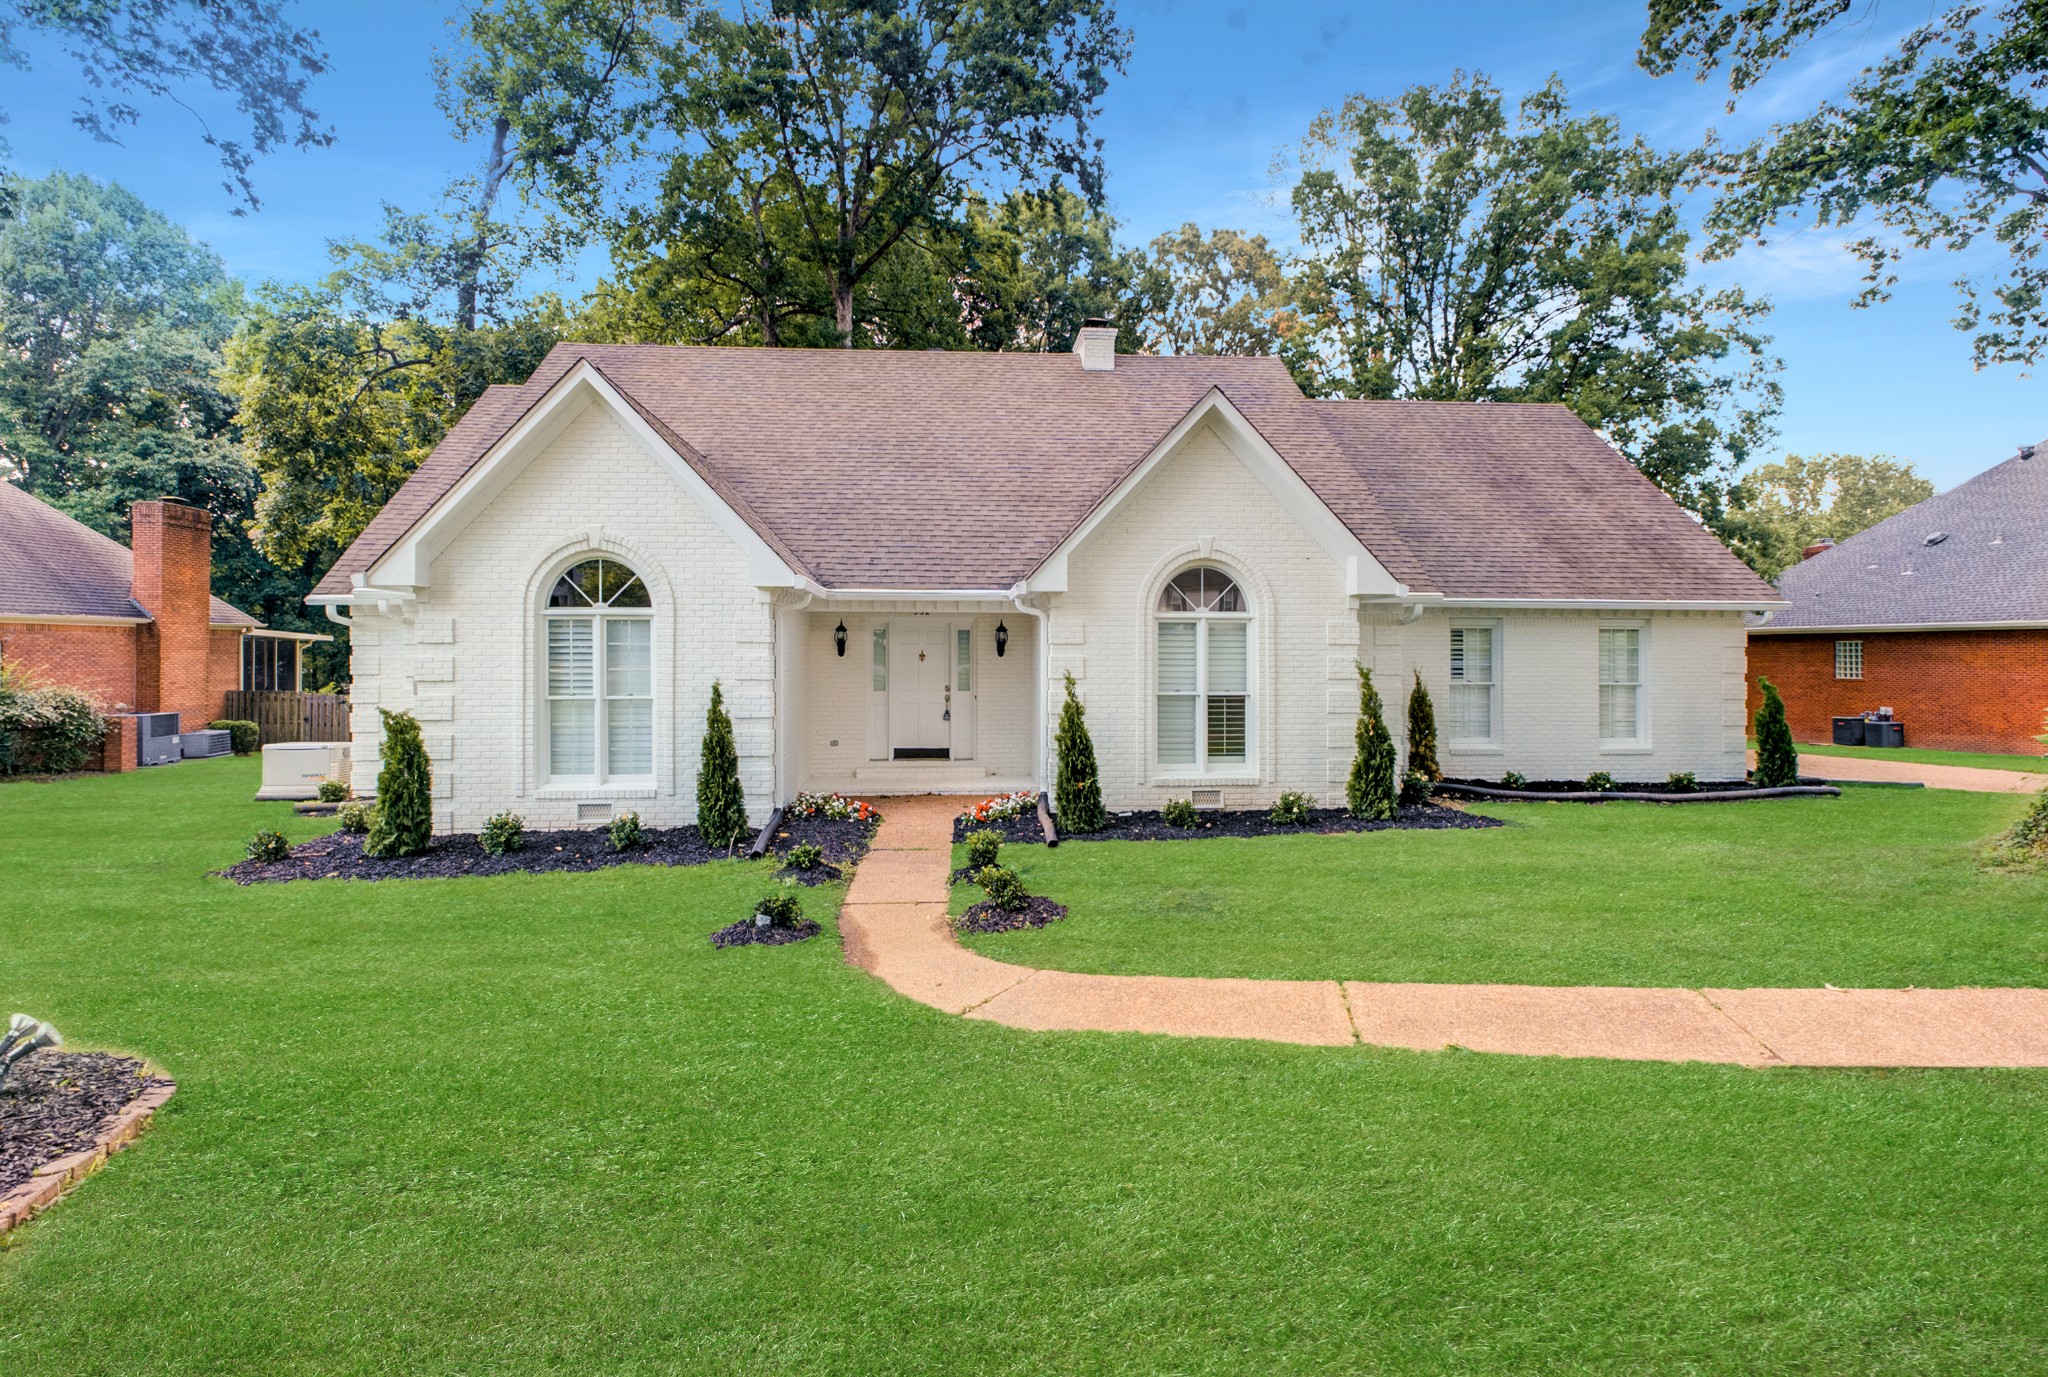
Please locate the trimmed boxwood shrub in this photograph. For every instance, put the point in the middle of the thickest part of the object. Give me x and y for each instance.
(783, 908)
(332, 791)
(804, 856)
(267, 848)
(1682, 782)
(354, 816)
(245, 737)
(721, 803)
(983, 847)
(403, 823)
(1003, 887)
(1600, 782)
(1777, 762)
(1416, 789)
(503, 832)
(1291, 809)
(1370, 791)
(624, 832)
(1180, 812)
(1077, 792)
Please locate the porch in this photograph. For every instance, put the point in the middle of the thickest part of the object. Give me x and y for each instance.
(911, 698)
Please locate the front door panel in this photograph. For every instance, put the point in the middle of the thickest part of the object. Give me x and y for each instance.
(919, 671)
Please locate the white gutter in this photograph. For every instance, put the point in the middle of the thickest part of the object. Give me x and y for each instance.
(1619, 604)
(1914, 626)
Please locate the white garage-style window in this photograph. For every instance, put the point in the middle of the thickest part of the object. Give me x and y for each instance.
(600, 675)
(1203, 645)
(1621, 685)
(1473, 671)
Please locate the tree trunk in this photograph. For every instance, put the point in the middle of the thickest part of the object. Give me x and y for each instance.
(842, 309)
(472, 257)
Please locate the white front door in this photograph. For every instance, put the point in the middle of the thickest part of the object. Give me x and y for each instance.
(920, 670)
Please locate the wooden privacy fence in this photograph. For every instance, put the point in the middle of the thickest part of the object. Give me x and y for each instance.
(291, 716)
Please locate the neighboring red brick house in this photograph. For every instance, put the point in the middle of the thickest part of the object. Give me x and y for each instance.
(137, 630)
(1939, 613)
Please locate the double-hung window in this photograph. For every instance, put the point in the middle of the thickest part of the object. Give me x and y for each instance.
(1621, 684)
(1472, 684)
(1203, 673)
(600, 675)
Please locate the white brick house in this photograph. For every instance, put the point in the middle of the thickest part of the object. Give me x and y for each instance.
(890, 562)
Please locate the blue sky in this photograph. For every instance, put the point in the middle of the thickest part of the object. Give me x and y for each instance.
(1215, 89)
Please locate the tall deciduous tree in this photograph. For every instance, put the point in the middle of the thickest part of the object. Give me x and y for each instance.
(866, 122)
(1940, 143)
(1217, 293)
(1777, 510)
(133, 49)
(1453, 251)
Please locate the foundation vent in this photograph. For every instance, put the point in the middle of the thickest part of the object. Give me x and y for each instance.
(593, 812)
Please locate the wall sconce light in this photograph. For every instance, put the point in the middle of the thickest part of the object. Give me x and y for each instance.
(839, 638)
(1002, 640)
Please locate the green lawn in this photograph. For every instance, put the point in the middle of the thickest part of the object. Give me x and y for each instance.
(1976, 760)
(538, 1125)
(1877, 887)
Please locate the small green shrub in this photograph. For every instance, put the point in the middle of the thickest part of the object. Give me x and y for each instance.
(783, 908)
(332, 791)
(1682, 782)
(503, 832)
(625, 832)
(267, 848)
(1514, 779)
(983, 847)
(1180, 812)
(245, 737)
(1600, 782)
(403, 824)
(1416, 789)
(354, 817)
(804, 856)
(1777, 760)
(45, 728)
(1003, 887)
(1291, 809)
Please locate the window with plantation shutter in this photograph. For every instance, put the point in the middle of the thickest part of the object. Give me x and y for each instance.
(1621, 683)
(600, 675)
(1472, 684)
(1202, 673)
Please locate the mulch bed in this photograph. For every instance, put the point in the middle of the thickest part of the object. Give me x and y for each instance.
(1578, 786)
(56, 1103)
(339, 855)
(1150, 825)
(985, 917)
(1575, 791)
(820, 874)
(745, 934)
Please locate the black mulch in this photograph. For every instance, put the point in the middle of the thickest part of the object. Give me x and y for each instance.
(1150, 825)
(339, 855)
(745, 934)
(820, 874)
(986, 917)
(1578, 786)
(55, 1103)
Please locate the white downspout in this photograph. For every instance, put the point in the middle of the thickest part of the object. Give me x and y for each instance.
(1044, 685)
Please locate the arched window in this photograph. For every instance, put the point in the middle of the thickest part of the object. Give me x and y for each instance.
(600, 674)
(1203, 644)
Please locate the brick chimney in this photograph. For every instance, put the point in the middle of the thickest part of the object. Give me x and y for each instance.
(1821, 546)
(1095, 342)
(173, 581)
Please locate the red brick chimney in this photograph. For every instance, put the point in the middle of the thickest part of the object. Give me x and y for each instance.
(1821, 546)
(173, 546)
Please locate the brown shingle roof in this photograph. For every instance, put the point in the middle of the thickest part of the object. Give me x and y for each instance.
(870, 469)
(52, 566)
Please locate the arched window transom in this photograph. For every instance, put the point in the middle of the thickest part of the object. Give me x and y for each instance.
(600, 675)
(1203, 648)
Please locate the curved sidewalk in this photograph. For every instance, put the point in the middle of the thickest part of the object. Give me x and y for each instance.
(1837, 769)
(894, 925)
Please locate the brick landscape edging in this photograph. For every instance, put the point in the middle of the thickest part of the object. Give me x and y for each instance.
(54, 1179)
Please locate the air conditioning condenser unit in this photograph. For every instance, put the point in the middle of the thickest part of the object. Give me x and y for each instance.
(206, 744)
(156, 738)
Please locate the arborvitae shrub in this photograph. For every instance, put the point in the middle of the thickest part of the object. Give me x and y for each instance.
(721, 803)
(1777, 762)
(503, 832)
(1370, 791)
(403, 822)
(1077, 791)
(983, 847)
(1422, 733)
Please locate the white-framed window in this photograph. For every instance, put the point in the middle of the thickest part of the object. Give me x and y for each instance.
(599, 648)
(1848, 659)
(963, 660)
(1475, 667)
(1621, 684)
(1202, 645)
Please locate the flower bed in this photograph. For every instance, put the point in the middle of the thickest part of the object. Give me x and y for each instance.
(339, 855)
(56, 1104)
(1151, 825)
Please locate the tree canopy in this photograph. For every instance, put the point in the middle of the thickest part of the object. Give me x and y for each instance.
(1455, 251)
(136, 49)
(1939, 144)
(1777, 510)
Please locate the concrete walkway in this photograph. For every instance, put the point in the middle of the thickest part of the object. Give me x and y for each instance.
(1848, 767)
(894, 925)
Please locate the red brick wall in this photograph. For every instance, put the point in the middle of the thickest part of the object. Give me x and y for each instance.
(173, 574)
(99, 661)
(1954, 690)
(223, 674)
(122, 746)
